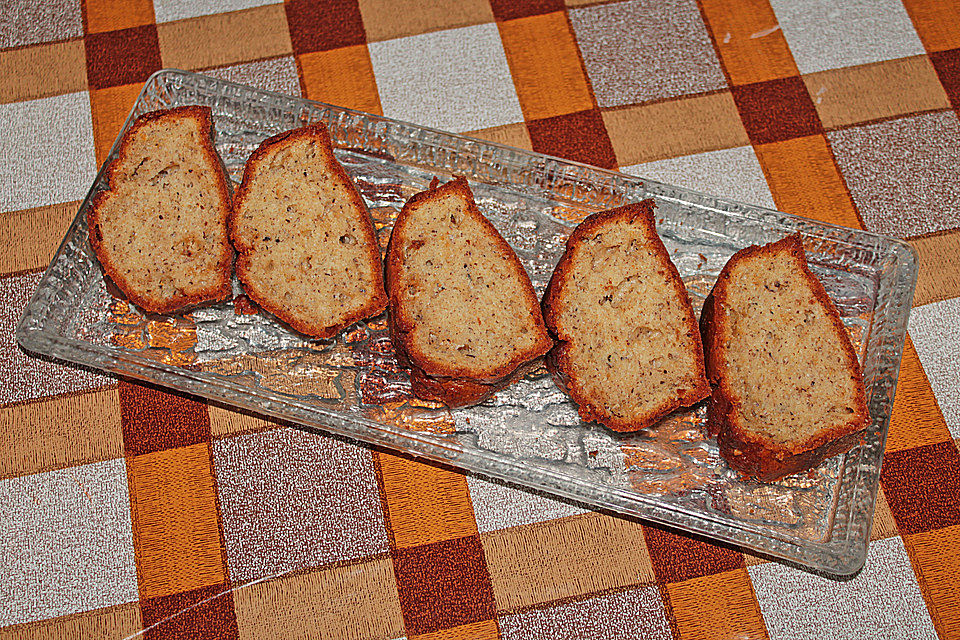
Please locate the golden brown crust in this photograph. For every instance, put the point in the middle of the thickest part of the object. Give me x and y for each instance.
(558, 360)
(432, 378)
(222, 290)
(377, 303)
(749, 452)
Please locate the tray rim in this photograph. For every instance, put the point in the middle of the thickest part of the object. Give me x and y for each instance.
(434, 448)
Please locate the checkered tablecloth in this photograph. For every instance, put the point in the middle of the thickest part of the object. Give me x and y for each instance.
(125, 510)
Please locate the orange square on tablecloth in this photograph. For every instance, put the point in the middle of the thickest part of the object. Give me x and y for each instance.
(675, 128)
(25, 73)
(935, 556)
(749, 40)
(109, 109)
(426, 504)
(482, 630)
(388, 19)
(936, 22)
(58, 432)
(805, 181)
(176, 532)
(512, 135)
(939, 277)
(718, 606)
(30, 237)
(869, 92)
(916, 419)
(354, 600)
(225, 38)
(546, 66)
(343, 77)
(111, 15)
(565, 559)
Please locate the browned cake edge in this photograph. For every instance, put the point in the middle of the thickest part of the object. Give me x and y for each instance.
(558, 359)
(222, 290)
(433, 379)
(750, 453)
(318, 132)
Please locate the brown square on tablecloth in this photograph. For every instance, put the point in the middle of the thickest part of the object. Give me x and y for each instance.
(673, 128)
(346, 600)
(512, 9)
(443, 584)
(776, 110)
(922, 485)
(206, 613)
(580, 136)
(875, 91)
(318, 26)
(154, 420)
(947, 64)
(122, 57)
(677, 558)
(25, 73)
(565, 559)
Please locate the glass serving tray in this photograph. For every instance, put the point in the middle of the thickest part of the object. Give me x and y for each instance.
(530, 433)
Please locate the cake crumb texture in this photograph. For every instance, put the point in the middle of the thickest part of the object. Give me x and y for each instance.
(787, 387)
(160, 227)
(308, 249)
(628, 347)
(463, 313)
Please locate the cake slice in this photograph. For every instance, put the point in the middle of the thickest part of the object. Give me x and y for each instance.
(160, 228)
(463, 314)
(308, 252)
(787, 388)
(628, 348)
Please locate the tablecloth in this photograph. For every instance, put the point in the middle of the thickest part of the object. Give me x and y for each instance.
(126, 510)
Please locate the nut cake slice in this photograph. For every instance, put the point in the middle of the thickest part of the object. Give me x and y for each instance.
(463, 313)
(160, 227)
(628, 348)
(308, 250)
(787, 388)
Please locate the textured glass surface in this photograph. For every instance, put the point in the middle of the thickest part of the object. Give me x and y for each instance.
(530, 433)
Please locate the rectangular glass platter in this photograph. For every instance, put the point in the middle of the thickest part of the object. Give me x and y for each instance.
(529, 435)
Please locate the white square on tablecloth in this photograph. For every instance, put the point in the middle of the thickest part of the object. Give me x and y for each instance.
(292, 500)
(829, 34)
(275, 74)
(935, 331)
(47, 151)
(728, 173)
(882, 601)
(66, 543)
(170, 10)
(634, 613)
(454, 80)
(641, 50)
(498, 506)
